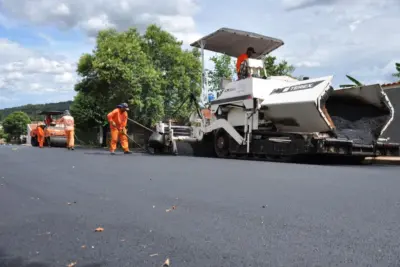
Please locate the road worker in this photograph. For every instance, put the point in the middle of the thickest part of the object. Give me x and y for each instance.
(118, 119)
(69, 129)
(40, 135)
(250, 51)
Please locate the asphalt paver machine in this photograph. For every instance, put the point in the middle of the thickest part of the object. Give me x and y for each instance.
(279, 117)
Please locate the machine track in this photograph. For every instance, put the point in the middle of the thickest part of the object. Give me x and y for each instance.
(209, 148)
(301, 159)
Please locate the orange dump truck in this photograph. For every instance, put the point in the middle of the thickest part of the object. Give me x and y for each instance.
(54, 133)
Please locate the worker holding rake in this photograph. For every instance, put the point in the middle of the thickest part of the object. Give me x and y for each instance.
(118, 119)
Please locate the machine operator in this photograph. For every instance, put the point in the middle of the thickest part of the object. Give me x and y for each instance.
(250, 51)
(48, 120)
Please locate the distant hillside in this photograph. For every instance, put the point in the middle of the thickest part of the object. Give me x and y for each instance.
(32, 110)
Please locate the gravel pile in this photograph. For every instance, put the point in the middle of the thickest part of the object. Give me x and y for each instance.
(356, 120)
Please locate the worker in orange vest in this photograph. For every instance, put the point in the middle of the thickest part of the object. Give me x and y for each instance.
(69, 129)
(40, 135)
(118, 119)
(250, 51)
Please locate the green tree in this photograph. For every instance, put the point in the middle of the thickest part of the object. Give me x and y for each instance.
(86, 112)
(15, 124)
(223, 68)
(3, 135)
(398, 71)
(150, 72)
(117, 71)
(274, 68)
(180, 71)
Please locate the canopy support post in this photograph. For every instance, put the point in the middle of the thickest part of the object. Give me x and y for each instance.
(204, 89)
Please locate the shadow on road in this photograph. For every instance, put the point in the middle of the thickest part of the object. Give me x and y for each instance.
(8, 261)
(103, 154)
(108, 153)
(12, 261)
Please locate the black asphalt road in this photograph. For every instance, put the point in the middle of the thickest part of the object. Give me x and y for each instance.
(228, 212)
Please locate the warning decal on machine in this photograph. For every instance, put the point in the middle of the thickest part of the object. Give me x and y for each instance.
(298, 87)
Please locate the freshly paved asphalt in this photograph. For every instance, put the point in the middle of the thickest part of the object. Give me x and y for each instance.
(228, 212)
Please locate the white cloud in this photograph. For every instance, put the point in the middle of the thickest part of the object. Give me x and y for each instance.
(14, 76)
(187, 38)
(33, 72)
(9, 51)
(322, 37)
(61, 10)
(95, 24)
(339, 37)
(300, 4)
(65, 78)
(91, 16)
(23, 70)
(309, 64)
(4, 99)
(47, 38)
(379, 73)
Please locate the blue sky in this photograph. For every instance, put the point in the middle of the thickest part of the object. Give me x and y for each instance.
(41, 41)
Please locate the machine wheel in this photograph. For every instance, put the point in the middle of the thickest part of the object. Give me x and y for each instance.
(157, 151)
(47, 142)
(34, 141)
(57, 141)
(204, 148)
(221, 143)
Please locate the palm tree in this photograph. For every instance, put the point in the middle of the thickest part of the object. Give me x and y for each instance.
(398, 70)
(355, 81)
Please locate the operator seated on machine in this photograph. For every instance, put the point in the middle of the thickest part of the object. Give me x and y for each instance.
(48, 120)
(250, 51)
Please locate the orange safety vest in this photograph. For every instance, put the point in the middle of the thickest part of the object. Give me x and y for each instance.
(40, 131)
(68, 122)
(239, 61)
(120, 118)
(206, 113)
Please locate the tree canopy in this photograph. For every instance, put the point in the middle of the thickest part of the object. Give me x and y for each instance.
(224, 67)
(15, 124)
(150, 72)
(3, 135)
(274, 68)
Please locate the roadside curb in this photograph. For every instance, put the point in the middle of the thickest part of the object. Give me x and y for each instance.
(383, 160)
